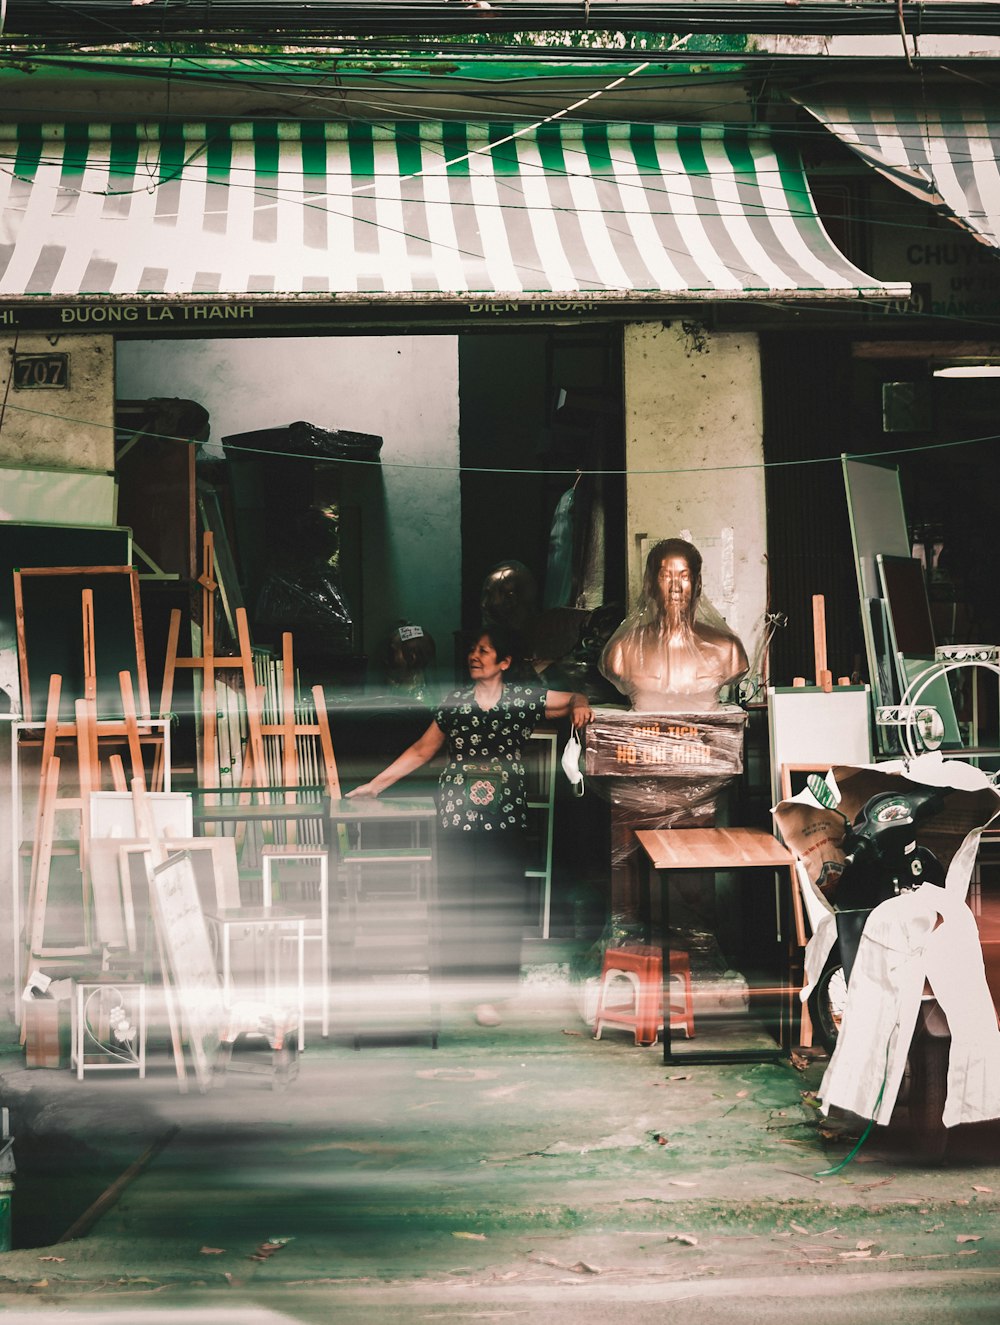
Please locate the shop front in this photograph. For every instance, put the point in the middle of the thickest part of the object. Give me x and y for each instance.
(514, 313)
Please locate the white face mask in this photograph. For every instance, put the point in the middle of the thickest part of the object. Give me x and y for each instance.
(571, 763)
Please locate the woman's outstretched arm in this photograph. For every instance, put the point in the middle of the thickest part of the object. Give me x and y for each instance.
(422, 749)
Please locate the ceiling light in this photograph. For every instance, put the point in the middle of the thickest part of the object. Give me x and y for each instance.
(969, 370)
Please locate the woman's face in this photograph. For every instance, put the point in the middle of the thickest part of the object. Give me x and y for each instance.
(484, 665)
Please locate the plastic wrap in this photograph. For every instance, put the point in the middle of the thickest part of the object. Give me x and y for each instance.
(296, 492)
(307, 596)
(302, 586)
(663, 770)
(669, 803)
(673, 652)
(305, 439)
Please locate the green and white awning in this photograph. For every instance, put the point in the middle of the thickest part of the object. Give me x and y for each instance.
(942, 148)
(433, 211)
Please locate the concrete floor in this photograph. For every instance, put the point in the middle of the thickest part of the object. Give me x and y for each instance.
(527, 1171)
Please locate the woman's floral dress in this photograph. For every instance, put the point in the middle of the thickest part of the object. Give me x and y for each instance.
(482, 785)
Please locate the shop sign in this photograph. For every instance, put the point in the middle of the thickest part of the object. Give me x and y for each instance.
(103, 315)
(952, 275)
(628, 744)
(106, 315)
(560, 307)
(184, 316)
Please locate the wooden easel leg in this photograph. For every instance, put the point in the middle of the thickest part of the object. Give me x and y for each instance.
(254, 702)
(89, 772)
(326, 743)
(167, 693)
(43, 850)
(48, 752)
(131, 726)
(289, 754)
(118, 780)
(209, 701)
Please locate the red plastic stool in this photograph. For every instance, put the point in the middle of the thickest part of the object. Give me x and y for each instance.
(642, 967)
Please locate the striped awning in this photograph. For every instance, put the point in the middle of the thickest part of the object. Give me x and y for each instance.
(942, 148)
(434, 211)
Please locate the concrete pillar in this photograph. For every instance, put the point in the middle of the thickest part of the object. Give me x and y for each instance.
(694, 451)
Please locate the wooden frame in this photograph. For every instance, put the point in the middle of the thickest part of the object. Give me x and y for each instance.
(111, 883)
(808, 725)
(788, 770)
(191, 986)
(28, 906)
(89, 643)
(27, 544)
(187, 961)
(112, 814)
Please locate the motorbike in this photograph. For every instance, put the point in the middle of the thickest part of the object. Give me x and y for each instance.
(903, 836)
(882, 859)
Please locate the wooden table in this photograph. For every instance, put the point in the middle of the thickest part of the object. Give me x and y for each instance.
(715, 849)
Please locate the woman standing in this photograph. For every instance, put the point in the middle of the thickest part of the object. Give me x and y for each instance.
(483, 816)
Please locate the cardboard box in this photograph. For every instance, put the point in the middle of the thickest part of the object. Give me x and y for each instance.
(46, 1032)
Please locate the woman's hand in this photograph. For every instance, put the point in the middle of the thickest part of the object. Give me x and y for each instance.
(367, 790)
(568, 703)
(581, 713)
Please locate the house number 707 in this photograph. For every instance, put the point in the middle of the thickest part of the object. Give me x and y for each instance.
(40, 371)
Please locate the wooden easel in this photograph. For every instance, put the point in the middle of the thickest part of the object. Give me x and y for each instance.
(208, 664)
(289, 729)
(84, 572)
(87, 732)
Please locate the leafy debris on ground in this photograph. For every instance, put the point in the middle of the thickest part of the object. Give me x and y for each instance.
(267, 1249)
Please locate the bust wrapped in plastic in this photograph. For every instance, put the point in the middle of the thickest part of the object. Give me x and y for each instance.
(664, 656)
(664, 762)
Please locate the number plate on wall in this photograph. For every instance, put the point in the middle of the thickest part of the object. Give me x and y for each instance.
(39, 372)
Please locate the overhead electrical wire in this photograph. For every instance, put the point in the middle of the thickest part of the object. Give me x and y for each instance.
(309, 202)
(564, 114)
(318, 19)
(802, 462)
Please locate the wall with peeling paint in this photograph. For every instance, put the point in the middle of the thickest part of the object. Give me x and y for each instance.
(32, 427)
(692, 411)
(403, 388)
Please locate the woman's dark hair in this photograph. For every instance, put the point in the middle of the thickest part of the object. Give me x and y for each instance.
(500, 638)
(669, 547)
